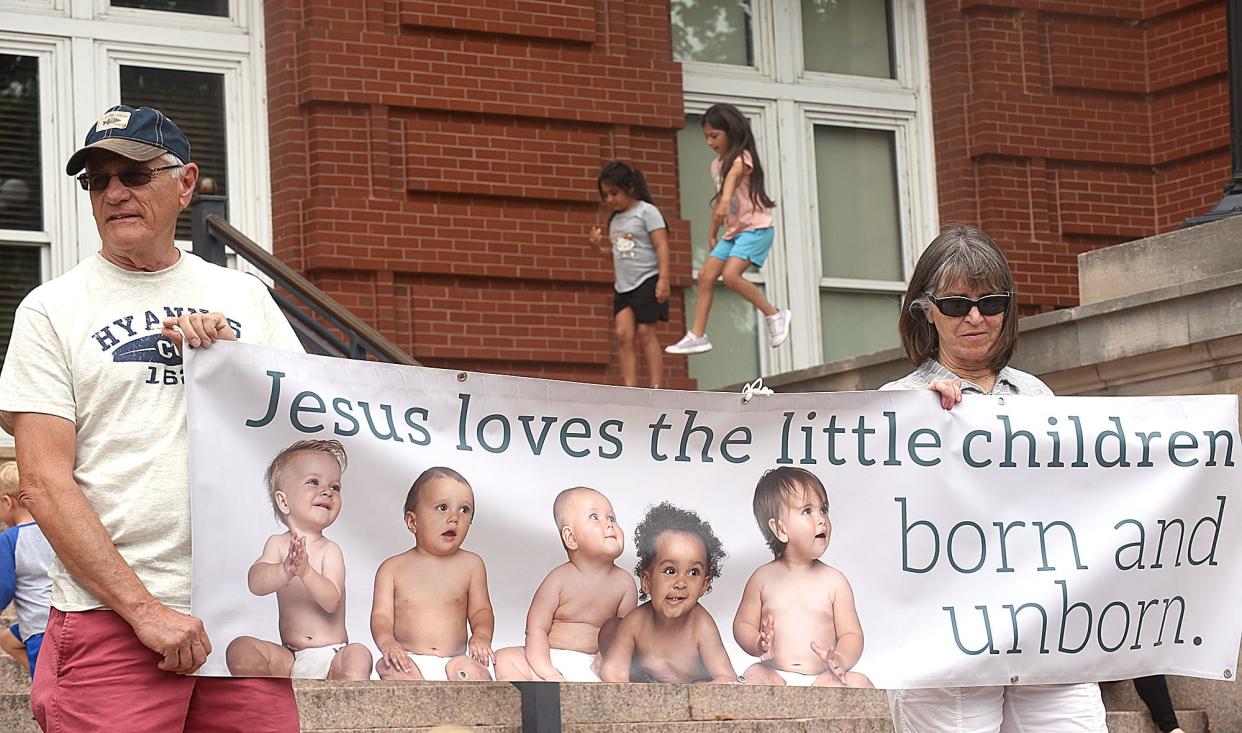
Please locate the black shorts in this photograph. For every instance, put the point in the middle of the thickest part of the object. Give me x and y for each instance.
(643, 300)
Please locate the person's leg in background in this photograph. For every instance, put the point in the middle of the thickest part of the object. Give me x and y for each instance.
(1154, 691)
(14, 647)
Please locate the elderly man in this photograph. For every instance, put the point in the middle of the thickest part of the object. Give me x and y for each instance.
(92, 391)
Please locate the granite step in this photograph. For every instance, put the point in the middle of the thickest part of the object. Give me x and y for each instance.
(340, 707)
(12, 677)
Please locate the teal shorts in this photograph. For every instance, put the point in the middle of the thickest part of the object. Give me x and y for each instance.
(752, 245)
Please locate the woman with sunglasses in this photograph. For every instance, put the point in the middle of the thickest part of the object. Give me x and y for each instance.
(959, 327)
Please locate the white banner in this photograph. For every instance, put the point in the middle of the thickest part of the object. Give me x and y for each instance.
(1036, 540)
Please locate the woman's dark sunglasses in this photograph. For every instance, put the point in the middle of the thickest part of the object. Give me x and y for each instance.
(130, 177)
(956, 306)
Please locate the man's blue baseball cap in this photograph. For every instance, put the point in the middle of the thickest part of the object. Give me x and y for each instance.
(138, 133)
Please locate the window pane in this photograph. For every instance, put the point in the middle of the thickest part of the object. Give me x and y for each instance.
(858, 323)
(19, 274)
(717, 31)
(21, 181)
(218, 8)
(847, 37)
(195, 101)
(735, 356)
(694, 160)
(856, 178)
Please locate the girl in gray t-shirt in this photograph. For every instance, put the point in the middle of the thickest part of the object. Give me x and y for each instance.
(638, 243)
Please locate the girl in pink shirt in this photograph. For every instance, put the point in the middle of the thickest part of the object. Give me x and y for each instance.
(742, 206)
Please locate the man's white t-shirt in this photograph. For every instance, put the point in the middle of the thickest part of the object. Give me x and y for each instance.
(87, 347)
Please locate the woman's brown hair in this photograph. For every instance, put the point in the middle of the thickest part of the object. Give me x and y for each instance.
(961, 254)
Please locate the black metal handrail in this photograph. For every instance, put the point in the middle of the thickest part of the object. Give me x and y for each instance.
(325, 326)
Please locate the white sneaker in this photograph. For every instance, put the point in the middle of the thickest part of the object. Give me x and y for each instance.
(690, 344)
(778, 327)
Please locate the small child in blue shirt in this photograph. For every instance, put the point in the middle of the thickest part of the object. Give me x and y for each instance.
(24, 557)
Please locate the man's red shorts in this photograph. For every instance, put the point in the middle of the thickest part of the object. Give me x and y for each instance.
(94, 675)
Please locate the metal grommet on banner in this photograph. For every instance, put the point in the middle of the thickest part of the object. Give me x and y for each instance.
(1229, 674)
(1013, 680)
(1000, 400)
(752, 389)
(461, 376)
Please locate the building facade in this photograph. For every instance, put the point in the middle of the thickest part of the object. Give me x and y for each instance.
(431, 164)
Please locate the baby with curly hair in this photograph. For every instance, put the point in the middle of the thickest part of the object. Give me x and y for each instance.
(670, 637)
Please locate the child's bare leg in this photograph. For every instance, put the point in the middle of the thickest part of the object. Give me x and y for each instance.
(733, 279)
(703, 292)
(387, 672)
(251, 657)
(761, 674)
(623, 326)
(14, 648)
(511, 665)
(653, 352)
(351, 663)
(465, 668)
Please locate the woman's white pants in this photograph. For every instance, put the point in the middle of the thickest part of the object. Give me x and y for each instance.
(1073, 708)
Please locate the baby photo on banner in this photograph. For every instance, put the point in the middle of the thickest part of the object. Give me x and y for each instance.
(357, 520)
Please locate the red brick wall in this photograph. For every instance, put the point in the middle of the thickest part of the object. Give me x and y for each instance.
(1066, 126)
(434, 162)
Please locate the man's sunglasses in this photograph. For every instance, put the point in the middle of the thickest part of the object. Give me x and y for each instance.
(956, 306)
(130, 177)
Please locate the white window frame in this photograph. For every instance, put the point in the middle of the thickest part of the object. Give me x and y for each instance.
(904, 158)
(55, 146)
(245, 195)
(95, 38)
(104, 10)
(50, 7)
(799, 99)
(765, 58)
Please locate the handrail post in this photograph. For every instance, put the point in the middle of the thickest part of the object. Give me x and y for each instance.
(541, 706)
(204, 204)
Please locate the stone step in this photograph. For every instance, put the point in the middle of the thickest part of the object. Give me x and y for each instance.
(1134, 721)
(604, 703)
(337, 710)
(331, 706)
(12, 677)
(15, 714)
(1165, 260)
(338, 707)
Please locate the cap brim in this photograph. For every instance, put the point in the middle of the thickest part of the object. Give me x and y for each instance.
(131, 149)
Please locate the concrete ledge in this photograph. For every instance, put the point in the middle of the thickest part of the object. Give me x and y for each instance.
(1165, 259)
